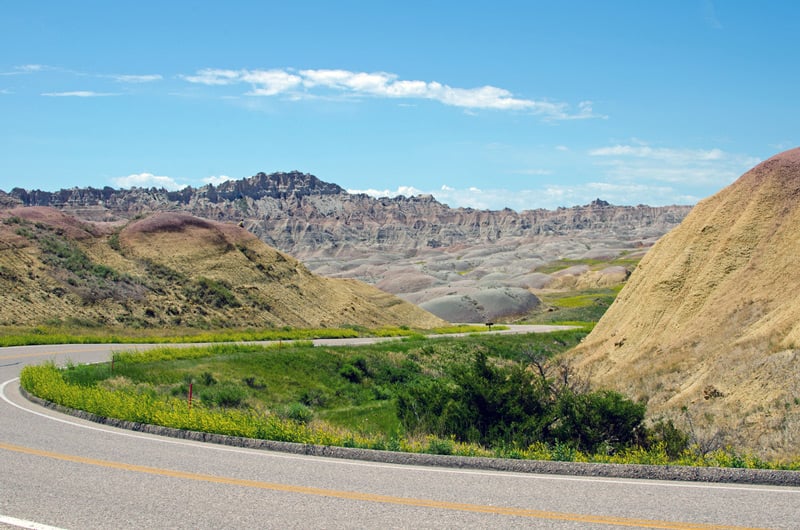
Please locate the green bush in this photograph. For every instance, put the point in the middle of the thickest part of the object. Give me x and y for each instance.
(493, 405)
(352, 373)
(224, 395)
(599, 420)
(298, 412)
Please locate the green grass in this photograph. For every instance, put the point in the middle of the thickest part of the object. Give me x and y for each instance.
(593, 264)
(279, 388)
(582, 308)
(82, 333)
(349, 387)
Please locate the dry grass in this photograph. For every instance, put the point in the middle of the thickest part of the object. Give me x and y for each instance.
(172, 270)
(716, 303)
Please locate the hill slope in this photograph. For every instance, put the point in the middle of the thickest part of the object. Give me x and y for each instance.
(707, 329)
(171, 269)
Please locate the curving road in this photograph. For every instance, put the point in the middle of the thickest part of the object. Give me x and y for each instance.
(60, 472)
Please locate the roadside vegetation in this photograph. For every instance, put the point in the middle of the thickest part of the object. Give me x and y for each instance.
(80, 333)
(479, 395)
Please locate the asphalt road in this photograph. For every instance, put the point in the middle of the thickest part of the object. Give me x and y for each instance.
(61, 472)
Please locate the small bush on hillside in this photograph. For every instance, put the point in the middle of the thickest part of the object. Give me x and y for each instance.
(211, 292)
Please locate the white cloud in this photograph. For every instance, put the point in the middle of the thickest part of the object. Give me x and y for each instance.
(25, 69)
(306, 83)
(661, 153)
(694, 167)
(80, 94)
(548, 196)
(216, 180)
(147, 180)
(406, 191)
(213, 76)
(148, 78)
(270, 82)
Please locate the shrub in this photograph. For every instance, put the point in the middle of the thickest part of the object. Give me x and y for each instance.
(224, 395)
(603, 419)
(211, 292)
(352, 373)
(493, 405)
(298, 412)
(664, 433)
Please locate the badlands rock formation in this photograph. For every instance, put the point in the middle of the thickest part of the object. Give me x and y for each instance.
(707, 329)
(450, 259)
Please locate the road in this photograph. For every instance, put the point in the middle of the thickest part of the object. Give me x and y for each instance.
(57, 471)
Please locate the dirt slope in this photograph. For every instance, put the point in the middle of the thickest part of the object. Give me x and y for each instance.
(171, 269)
(707, 329)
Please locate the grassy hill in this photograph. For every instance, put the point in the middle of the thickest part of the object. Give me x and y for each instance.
(171, 270)
(707, 329)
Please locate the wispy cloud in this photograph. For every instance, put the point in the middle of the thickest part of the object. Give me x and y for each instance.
(639, 161)
(25, 69)
(133, 78)
(308, 83)
(147, 180)
(119, 78)
(406, 191)
(80, 94)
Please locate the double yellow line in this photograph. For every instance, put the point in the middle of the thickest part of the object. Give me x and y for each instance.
(369, 497)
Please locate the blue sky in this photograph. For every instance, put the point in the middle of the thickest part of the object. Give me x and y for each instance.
(520, 104)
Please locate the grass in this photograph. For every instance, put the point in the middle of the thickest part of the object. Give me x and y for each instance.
(582, 308)
(279, 397)
(84, 333)
(593, 264)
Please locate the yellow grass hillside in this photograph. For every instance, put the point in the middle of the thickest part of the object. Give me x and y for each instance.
(707, 329)
(172, 269)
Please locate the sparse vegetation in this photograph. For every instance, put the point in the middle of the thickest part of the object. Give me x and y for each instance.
(575, 307)
(593, 264)
(360, 397)
(78, 331)
(124, 278)
(211, 292)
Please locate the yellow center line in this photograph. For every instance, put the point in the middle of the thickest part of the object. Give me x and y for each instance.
(371, 497)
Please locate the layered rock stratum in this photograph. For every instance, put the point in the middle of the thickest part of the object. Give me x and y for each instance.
(459, 262)
(707, 328)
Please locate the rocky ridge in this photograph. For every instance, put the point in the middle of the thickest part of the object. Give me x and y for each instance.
(304, 216)
(460, 262)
